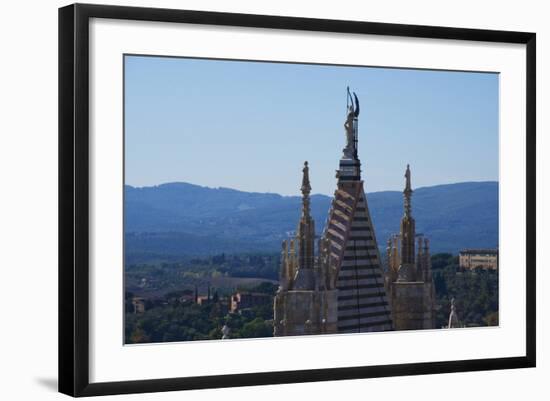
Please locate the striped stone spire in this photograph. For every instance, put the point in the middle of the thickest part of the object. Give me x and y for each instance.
(354, 255)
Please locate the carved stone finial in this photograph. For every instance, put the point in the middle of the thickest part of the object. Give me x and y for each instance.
(407, 192)
(453, 318)
(306, 190)
(408, 178)
(306, 186)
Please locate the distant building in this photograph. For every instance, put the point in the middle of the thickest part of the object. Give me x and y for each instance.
(202, 299)
(246, 300)
(478, 258)
(139, 304)
(187, 298)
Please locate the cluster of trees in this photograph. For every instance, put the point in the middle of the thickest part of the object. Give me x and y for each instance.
(181, 322)
(171, 319)
(475, 292)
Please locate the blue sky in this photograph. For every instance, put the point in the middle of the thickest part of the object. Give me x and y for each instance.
(251, 125)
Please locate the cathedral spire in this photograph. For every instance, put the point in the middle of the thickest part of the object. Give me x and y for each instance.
(305, 236)
(407, 233)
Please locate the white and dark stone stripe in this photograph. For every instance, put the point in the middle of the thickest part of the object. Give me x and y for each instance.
(362, 302)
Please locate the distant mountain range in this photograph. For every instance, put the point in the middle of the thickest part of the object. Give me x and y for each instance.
(179, 219)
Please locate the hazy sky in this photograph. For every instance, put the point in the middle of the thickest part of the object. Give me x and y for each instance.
(251, 125)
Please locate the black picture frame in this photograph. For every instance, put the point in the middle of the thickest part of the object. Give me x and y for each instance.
(74, 198)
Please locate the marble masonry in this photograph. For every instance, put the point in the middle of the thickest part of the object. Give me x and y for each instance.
(342, 287)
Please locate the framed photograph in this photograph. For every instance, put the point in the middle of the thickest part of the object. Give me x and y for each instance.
(251, 199)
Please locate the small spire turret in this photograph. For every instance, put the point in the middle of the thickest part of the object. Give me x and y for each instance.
(306, 190)
(305, 236)
(407, 192)
(453, 318)
(292, 260)
(408, 231)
